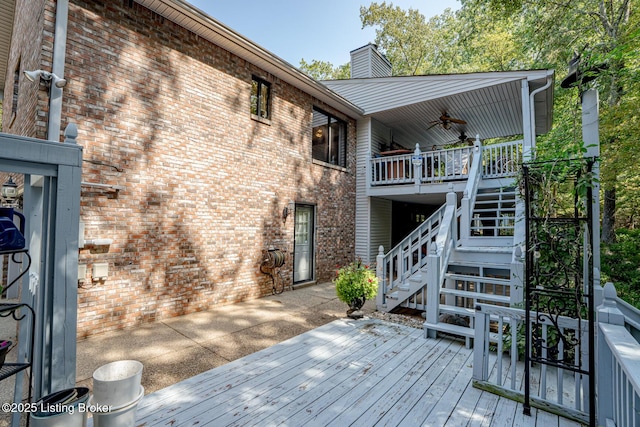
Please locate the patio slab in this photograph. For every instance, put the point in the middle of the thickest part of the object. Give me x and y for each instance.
(178, 348)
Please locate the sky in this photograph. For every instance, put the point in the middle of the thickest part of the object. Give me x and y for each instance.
(326, 30)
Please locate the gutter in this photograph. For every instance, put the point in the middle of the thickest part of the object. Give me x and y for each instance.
(59, 53)
(532, 111)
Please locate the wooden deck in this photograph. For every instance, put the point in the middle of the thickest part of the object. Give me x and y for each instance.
(360, 373)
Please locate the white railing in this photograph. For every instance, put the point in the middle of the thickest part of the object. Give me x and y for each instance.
(501, 160)
(392, 170)
(470, 191)
(618, 366)
(498, 160)
(408, 256)
(498, 360)
(438, 259)
(422, 167)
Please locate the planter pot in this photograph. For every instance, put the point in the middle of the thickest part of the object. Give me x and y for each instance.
(117, 384)
(355, 307)
(124, 416)
(4, 349)
(61, 409)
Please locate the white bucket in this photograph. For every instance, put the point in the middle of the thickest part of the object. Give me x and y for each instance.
(117, 384)
(124, 416)
(64, 419)
(55, 413)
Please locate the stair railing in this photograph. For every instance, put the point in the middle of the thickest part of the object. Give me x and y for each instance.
(470, 191)
(438, 258)
(408, 256)
(517, 258)
(502, 160)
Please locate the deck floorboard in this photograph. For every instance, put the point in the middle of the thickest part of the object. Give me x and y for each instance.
(346, 373)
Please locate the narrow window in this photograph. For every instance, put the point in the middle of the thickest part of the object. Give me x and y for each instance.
(260, 98)
(329, 139)
(16, 90)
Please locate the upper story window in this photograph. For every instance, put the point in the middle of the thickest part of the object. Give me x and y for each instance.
(16, 92)
(329, 138)
(260, 98)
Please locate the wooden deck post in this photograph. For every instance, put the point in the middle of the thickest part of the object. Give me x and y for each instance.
(382, 280)
(416, 160)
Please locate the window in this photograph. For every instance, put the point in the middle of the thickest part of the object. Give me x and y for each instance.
(16, 91)
(260, 98)
(329, 139)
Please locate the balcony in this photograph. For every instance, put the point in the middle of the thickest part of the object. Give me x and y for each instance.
(423, 170)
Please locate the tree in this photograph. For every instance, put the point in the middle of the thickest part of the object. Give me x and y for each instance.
(601, 31)
(487, 35)
(412, 44)
(322, 70)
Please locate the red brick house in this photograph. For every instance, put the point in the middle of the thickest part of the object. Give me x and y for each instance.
(197, 143)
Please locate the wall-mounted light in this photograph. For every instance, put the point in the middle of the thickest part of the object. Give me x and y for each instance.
(10, 189)
(47, 76)
(9, 194)
(288, 210)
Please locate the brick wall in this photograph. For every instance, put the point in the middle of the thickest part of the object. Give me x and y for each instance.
(165, 114)
(31, 48)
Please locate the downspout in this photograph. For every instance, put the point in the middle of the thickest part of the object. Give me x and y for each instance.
(532, 111)
(59, 58)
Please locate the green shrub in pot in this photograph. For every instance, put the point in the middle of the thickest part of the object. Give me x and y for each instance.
(355, 284)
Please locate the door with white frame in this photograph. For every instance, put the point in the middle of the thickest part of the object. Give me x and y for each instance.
(303, 252)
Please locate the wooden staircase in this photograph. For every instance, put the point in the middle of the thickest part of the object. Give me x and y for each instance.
(480, 274)
(481, 268)
(478, 269)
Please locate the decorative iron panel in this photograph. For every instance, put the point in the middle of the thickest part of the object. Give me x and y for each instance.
(559, 278)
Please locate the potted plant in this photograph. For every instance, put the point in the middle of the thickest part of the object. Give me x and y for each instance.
(355, 284)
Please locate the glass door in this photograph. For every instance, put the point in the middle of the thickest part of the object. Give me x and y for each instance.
(303, 244)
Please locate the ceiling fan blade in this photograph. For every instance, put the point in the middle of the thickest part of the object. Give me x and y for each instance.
(447, 118)
(458, 121)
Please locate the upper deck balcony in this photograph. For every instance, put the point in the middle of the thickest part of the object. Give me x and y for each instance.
(424, 172)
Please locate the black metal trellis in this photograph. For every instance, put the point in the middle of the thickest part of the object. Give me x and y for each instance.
(559, 271)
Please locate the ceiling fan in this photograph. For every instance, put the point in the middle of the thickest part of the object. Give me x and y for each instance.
(463, 139)
(446, 121)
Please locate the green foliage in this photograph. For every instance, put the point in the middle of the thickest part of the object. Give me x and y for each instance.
(322, 70)
(413, 45)
(621, 265)
(356, 281)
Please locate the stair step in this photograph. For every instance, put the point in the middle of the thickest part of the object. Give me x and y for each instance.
(480, 279)
(476, 295)
(461, 311)
(450, 329)
(416, 278)
(502, 210)
(486, 249)
(480, 264)
(392, 295)
(495, 191)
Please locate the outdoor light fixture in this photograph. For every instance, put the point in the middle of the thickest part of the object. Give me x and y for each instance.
(10, 189)
(47, 76)
(289, 209)
(9, 194)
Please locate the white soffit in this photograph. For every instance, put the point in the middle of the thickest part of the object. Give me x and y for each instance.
(490, 103)
(378, 94)
(7, 8)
